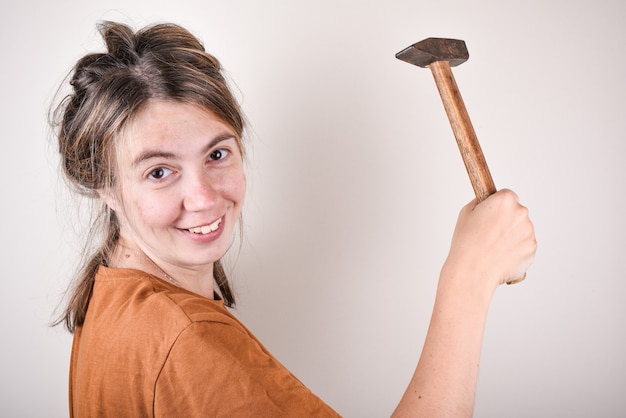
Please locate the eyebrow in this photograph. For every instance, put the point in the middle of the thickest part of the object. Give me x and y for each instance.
(156, 153)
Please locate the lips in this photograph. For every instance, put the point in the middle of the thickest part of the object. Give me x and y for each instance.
(206, 229)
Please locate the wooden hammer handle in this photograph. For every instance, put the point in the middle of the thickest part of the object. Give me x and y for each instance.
(466, 139)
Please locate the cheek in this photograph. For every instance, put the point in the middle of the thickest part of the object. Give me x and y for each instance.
(239, 188)
(152, 210)
(232, 186)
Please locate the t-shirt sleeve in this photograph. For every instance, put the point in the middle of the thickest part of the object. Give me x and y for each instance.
(217, 369)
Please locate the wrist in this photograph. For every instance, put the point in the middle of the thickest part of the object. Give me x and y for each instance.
(465, 283)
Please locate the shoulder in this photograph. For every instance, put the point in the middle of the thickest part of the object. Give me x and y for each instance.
(187, 342)
(133, 296)
(143, 320)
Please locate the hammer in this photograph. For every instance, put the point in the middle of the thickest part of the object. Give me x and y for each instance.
(440, 55)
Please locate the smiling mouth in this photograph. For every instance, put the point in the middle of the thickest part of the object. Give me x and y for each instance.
(203, 230)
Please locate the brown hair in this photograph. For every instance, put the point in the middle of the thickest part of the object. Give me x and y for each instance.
(162, 61)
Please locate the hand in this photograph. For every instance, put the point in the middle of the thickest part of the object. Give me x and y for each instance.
(493, 242)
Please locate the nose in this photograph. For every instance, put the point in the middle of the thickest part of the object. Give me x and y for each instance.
(199, 192)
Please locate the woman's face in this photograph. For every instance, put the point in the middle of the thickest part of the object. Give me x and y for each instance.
(181, 186)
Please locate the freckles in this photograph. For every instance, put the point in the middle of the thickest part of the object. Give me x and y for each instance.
(140, 210)
(150, 212)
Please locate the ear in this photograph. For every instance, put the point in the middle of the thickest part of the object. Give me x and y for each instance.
(110, 199)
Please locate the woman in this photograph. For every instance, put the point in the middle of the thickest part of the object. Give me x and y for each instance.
(152, 131)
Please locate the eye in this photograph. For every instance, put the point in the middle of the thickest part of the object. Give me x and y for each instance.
(218, 154)
(159, 173)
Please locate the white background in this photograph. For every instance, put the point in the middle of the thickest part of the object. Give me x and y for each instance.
(355, 184)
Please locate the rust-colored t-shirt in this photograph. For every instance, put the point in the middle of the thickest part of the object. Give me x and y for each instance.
(150, 349)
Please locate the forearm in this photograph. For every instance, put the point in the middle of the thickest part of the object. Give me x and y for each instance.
(444, 382)
(493, 242)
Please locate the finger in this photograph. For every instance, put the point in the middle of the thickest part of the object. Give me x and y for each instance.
(471, 205)
(510, 192)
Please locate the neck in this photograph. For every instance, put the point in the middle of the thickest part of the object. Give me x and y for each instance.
(128, 255)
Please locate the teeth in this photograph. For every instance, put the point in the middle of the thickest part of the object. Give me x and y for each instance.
(206, 228)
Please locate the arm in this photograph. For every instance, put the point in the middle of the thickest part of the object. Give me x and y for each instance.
(493, 243)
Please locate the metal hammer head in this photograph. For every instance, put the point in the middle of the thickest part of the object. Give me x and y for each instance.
(431, 50)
